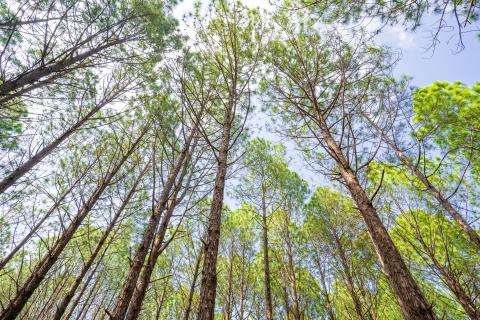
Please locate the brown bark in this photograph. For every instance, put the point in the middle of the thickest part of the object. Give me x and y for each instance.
(242, 287)
(208, 287)
(291, 268)
(62, 306)
(229, 304)
(35, 228)
(82, 291)
(123, 300)
(453, 284)
(157, 248)
(66, 64)
(349, 279)
(325, 293)
(412, 303)
(266, 261)
(16, 304)
(193, 285)
(25, 167)
(431, 189)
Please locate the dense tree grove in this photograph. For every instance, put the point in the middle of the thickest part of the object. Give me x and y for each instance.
(133, 184)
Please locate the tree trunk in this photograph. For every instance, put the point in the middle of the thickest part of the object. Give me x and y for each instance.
(412, 303)
(24, 293)
(431, 189)
(229, 304)
(125, 295)
(292, 278)
(266, 261)
(242, 287)
(449, 276)
(324, 291)
(157, 248)
(208, 287)
(24, 168)
(35, 75)
(349, 279)
(62, 306)
(193, 285)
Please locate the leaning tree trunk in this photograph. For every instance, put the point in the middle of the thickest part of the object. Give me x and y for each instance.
(291, 269)
(31, 284)
(38, 224)
(158, 247)
(412, 303)
(63, 66)
(193, 285)
(449, 276)
(431, 189)
(62, 306)
(24, 168)
(123, 300)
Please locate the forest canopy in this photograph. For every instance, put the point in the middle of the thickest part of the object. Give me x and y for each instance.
(234, 163)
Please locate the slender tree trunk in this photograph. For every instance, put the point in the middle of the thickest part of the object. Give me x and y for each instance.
(35, 228)
(266, 261)
(160, 305)
(84, 288)
(229, 304)
(25, 167)
(157, 248)
(431, 189)
(31, 284)
(291, 267)
(193, 285)
(452, 282)
(412, 303)
(125, 295)
(86, 305)
(208, 287)
(62, 306)
(349, 279)
(324, 291)
(242, 287)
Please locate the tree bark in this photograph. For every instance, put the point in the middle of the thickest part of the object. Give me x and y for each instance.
(412, 303)
(291, 267)
(125, 295)
(349, 279)
(449, 276)
(35, 228)
(193, 285)
(24, 293)
(24, 168)
(324, 291)
(158, 246)
(62, 306)
(66, 64)
(208, 287)
(266, 261)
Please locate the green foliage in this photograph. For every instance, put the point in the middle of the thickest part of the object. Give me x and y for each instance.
(448, 112)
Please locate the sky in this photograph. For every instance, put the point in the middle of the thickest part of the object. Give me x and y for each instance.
(416, 61)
